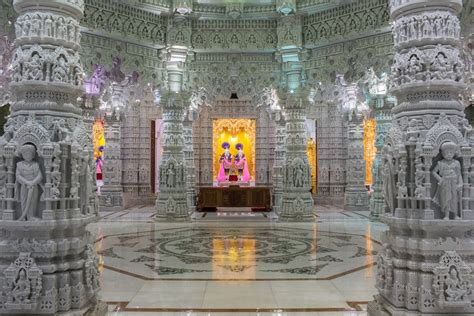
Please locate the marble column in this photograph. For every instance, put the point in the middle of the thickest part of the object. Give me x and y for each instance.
(425, 266)
(171, 204)
(48, 263)
(355, 197)
(297, 202)
(278, 162)
(375, 90)
(111, 193)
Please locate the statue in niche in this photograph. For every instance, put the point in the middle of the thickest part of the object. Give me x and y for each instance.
(448, 174)
(48, 26)
(28, 183)
(298, 177)
(34, 68)
(241, 164)
(455, 289)
(225, 162)
(389, 172)
(171, 176)
(22, 288)
(60, 70)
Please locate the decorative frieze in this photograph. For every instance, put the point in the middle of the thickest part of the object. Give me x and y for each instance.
(121, 19)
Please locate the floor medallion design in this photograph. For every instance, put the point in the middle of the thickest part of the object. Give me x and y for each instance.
(237, 253)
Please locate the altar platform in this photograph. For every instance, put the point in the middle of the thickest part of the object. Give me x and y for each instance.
(257, 198)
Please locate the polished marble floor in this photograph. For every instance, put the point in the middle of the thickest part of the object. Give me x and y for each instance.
(234, 262)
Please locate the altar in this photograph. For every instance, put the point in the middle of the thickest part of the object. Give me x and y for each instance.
(234, 196)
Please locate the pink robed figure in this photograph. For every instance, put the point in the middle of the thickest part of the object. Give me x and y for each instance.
(225, 162)
(240, 163)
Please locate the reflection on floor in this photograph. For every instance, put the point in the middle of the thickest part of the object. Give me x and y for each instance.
(233, 265)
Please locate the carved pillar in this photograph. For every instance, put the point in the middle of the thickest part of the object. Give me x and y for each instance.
(355, 197)
(47, 259)
(111, 193)
(297, 202)
(376, 94)
(426, 264)
(278, 162)
(172, 199)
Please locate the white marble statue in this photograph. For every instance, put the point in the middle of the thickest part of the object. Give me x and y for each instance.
(448, 174)
(28, 179)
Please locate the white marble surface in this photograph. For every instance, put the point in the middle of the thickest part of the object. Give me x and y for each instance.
(244, 287)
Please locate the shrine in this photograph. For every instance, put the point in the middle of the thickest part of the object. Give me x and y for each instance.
(157, 142)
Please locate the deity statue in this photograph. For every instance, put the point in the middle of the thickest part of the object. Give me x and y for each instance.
(22, 288)
(455, 289)
(34, 68)
(240, 163)
(225, 163)
(448, 174)
(28, 183)
(60, 70)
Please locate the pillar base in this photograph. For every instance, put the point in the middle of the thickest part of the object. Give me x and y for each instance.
(296, 207)
(172, 207)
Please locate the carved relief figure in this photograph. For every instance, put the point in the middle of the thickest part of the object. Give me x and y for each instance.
(48, 26)
(448, 174)
(426, 27)
(28, 179)
(60, 70)
(22, 288)
(414, 67)
(34, 68)
(61, 28)
(298, 177)
(455, 289)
